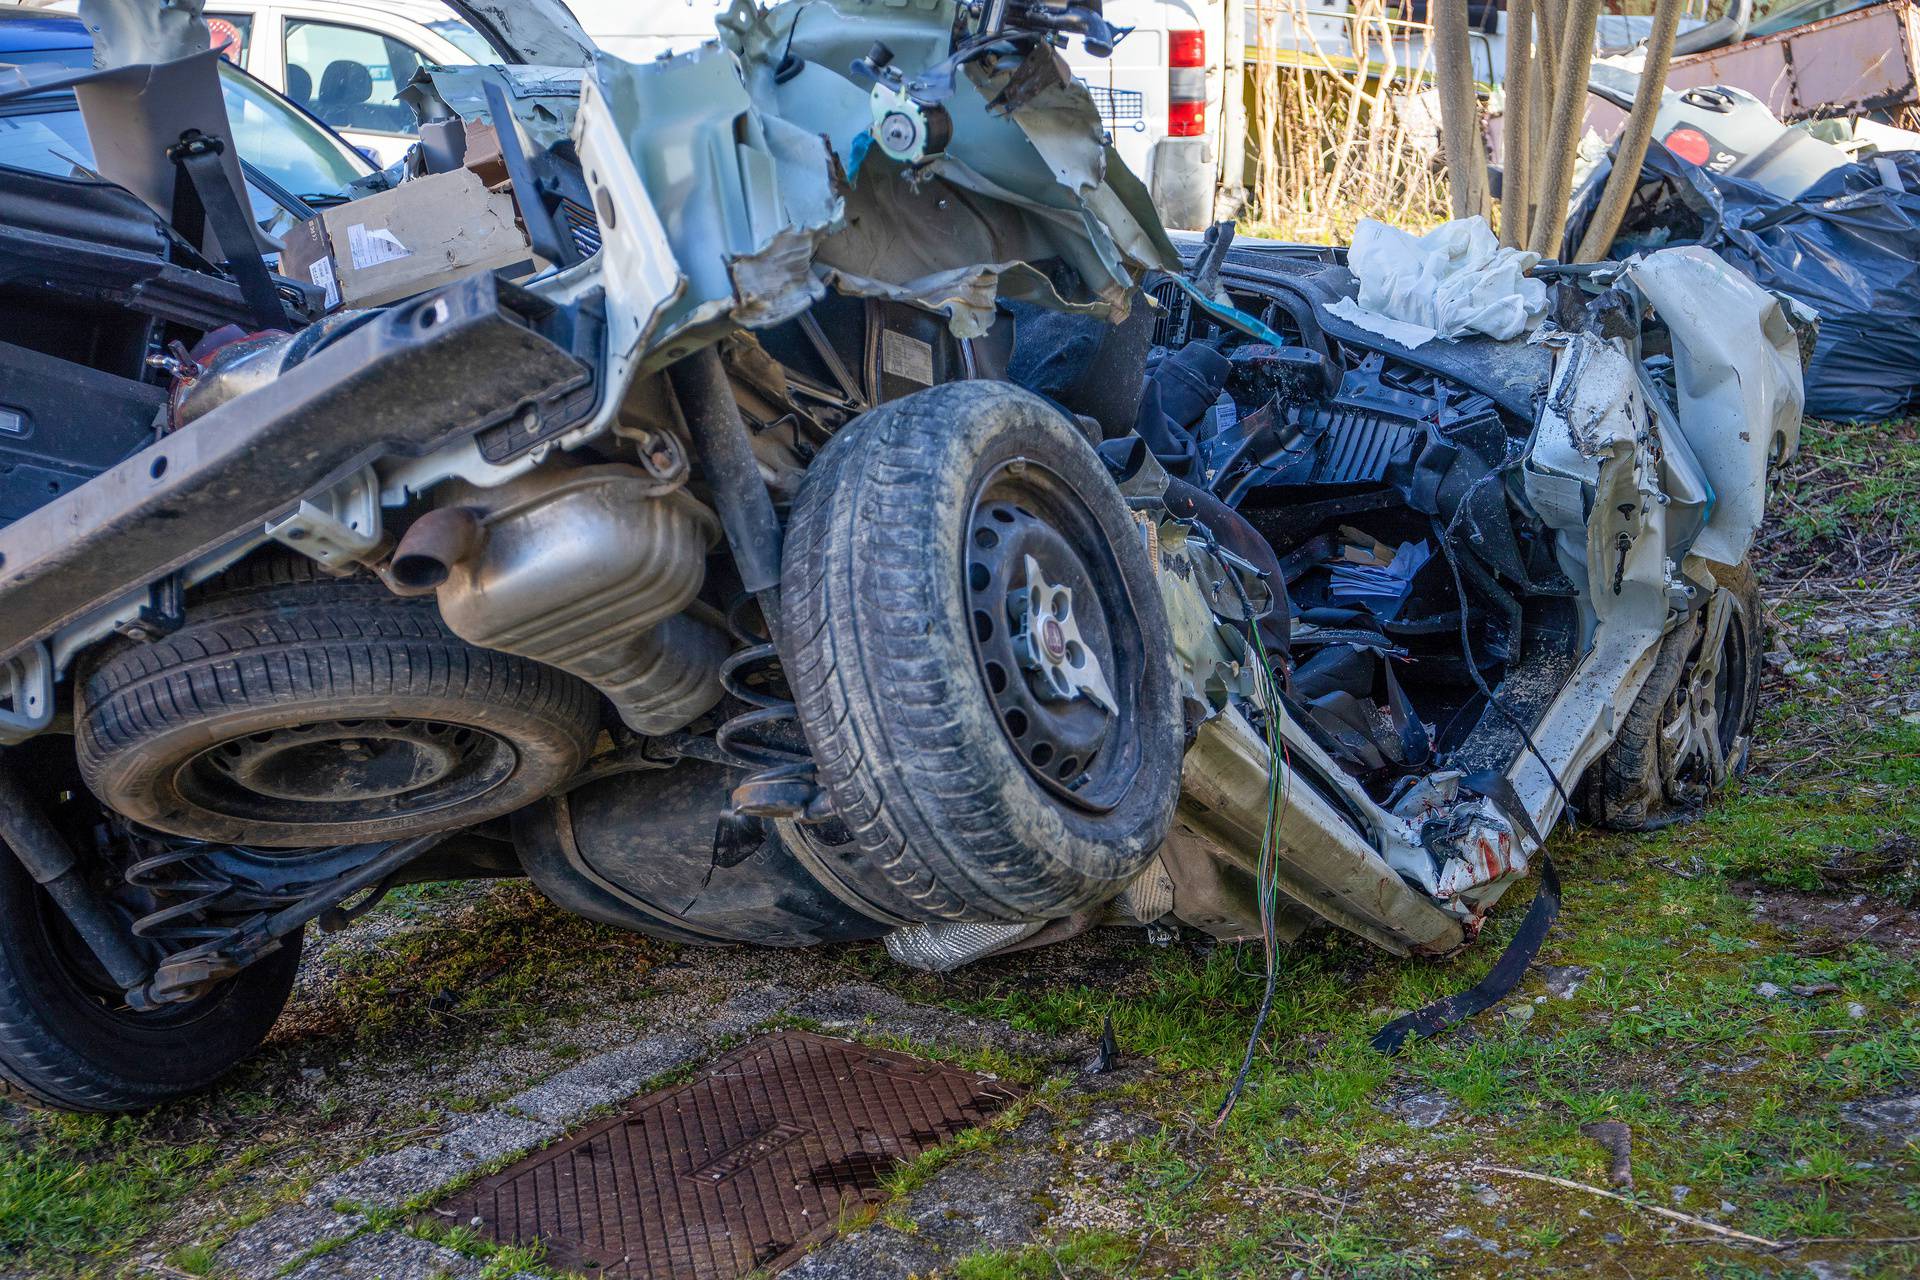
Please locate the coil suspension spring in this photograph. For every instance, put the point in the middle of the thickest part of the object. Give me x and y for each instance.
(198, 891)
(187, 887)
(782, 782)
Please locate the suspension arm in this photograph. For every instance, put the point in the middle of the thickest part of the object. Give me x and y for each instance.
(185, 974)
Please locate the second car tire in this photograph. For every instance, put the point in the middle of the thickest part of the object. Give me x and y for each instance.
(68, 1041)
(297, 710)
(1638, 784)
(951, 821)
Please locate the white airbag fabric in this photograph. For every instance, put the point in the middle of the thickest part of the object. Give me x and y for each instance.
(1455, 280)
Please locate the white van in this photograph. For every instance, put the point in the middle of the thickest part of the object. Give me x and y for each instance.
(1161, 95)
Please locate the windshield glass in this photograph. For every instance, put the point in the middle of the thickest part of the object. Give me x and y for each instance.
(45, 137)
(465, 39)
(50, 136)
(275, 138)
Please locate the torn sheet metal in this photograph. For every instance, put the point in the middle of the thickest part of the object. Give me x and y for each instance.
(902, 241)
(544, 100)
(751, 163)
(539, 32)
(1594, 476)
(126, 32)
(1738, 383)
(1224, 802)
(1018, 191)
(1059, 118)
(708, 205)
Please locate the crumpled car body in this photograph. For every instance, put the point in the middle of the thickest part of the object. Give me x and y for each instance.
(857, 519)
(1637, 487)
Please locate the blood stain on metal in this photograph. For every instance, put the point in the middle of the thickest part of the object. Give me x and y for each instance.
(739, 1169)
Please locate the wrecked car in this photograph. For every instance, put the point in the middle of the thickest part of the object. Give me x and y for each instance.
(843, 514)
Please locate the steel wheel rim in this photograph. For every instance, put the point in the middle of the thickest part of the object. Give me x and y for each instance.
(1701, 734)
(347, 771)
(1031, 539)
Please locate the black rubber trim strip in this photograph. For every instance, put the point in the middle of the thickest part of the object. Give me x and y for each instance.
(1490, 990)
(211, 199)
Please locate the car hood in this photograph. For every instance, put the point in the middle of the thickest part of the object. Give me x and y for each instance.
(540, 32)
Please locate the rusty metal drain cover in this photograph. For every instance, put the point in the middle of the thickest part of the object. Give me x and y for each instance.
(738, 1169)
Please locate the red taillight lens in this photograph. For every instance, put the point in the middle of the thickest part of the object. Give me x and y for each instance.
(1186, 84)
(1186, 48)
(1186, 119)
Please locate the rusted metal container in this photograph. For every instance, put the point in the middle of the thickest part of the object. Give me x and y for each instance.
(1859, 62)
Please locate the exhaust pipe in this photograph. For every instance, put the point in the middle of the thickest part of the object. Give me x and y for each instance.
(589, 569)
(437, 541)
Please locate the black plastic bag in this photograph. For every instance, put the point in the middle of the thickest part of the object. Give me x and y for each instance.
(1849, 247)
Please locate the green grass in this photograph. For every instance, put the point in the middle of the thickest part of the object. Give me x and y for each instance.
(499, 1261)
(1670, 1006)
(83, 1181)
(194, 1259)
(516, 968)
(1853, 479)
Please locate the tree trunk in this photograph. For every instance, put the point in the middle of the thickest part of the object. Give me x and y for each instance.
(1634, 138)
(1572, 66)
(1459, 117)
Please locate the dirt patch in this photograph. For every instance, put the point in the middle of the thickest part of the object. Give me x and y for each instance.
(1821, 924)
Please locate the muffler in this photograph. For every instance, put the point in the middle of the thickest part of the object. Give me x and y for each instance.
(587, 569)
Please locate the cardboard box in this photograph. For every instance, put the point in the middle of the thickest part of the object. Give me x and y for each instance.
(484, 156)
(423, 233)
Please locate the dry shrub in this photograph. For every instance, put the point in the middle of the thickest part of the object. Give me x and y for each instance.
(1331, 142)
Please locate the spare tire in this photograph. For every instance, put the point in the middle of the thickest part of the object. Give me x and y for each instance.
(981, 659)
(295, 710)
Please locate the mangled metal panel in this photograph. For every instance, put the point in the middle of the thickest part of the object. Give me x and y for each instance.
(543, 100)
(539, 32)
(1024, 181)
(734, 190)
(757, 158)
(1738, 381)
(1320, 861)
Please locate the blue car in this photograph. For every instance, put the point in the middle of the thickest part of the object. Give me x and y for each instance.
(293, 162)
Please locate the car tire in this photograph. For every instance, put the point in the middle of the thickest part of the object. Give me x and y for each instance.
(296, 711)
(1653, 772)
(68, 1042)
(883, 601)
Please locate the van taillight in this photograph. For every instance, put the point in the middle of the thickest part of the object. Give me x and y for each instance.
(1186, 84)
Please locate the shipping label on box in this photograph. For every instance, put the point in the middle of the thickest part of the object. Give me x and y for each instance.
(418, 236)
